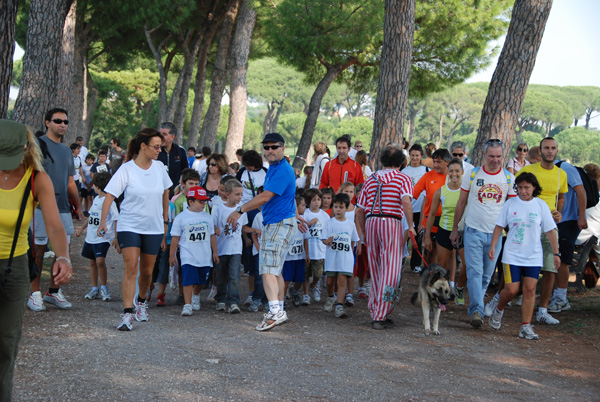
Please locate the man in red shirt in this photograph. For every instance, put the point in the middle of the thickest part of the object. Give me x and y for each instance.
(341, 169)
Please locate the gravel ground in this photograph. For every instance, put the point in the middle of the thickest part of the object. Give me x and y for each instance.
(78, 354)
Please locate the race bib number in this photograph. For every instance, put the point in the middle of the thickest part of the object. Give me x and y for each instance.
(197, 233)
(101, 169)
(315, 230)
(341, 242)
(297, 247)
(94, 220)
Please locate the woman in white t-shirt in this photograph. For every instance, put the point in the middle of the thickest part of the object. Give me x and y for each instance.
(526, 217)
(520, 159)
(143, 220)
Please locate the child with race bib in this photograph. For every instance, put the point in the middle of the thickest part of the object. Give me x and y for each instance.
(316, 219)
(294, 265)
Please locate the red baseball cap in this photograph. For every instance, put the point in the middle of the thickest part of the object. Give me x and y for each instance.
(198, 193)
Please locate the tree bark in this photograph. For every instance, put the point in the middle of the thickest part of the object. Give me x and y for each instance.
(507, 89)
(240, 48)
(90, 100)
(162, 74)
(40, 64)
(66, 65)
(275, 120)
(412, 116)
(394, 75)
(268, 117)
(208, 133)
(8, 19)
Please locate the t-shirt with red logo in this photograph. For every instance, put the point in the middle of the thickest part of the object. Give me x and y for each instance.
(487, 194)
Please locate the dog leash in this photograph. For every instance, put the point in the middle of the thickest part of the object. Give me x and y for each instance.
(416, 247)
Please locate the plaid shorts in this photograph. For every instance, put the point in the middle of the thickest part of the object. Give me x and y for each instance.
(274, 246)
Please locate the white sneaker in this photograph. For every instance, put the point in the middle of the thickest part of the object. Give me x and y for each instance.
(212, 294)
(329, 304)
(317, 294)
(527, 332)
(349, 301)
(35, 302)
(126, 322)
(496, 319)
(196, 302)
(105, 294)
(489, 308)
(248, 300)
(92, 294)
(546, 318)
(340, 312)
(187, 309)
(557, 305)
(141, 311)
(270, 320)
(305, 300)
(518, 301)
(58, 299)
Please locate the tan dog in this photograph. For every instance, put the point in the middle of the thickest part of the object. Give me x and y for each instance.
(434, 293)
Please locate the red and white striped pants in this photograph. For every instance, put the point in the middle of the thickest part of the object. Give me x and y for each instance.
(384, 244)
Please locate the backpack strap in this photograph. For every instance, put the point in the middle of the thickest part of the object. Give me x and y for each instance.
(473, 173)
(28, 189)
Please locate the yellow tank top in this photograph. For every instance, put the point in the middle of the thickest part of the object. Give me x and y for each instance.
(448, 199)
(10, 203)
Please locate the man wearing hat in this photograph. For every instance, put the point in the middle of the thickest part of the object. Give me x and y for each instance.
(279, 219)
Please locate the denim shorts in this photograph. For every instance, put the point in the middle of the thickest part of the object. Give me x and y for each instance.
(147, 243)
(274, 245)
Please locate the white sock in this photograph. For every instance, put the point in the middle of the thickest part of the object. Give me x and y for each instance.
(452, 284)
(274, 307)
(542, 310)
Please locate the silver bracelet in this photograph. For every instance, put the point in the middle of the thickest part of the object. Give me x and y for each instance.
(65, 259)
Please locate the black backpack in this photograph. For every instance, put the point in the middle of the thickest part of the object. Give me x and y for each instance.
(590, 186)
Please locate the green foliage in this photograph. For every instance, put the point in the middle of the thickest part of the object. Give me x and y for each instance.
(579, 145)
(17, 74)
(359, 128)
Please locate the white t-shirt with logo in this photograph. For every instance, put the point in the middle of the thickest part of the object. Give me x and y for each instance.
(339, 256)
(251, 181)
(415, 174)
(487, 195)
(316, 248)
(91, 237)
(194, 230)
(229, 240)
(526, 220)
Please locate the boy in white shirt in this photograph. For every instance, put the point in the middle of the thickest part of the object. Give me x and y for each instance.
(340, 237)
(316, 219)
(294, 265)
(258, 295)
(95, 248)
(193, 231)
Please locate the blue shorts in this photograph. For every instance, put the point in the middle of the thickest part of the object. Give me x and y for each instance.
(513, 273)
(148, 244)
(93, 251)
(293, 271)
(191, 275)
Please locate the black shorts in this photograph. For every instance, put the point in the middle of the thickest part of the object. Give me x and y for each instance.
(93, 251)
(84, 192)
(147, 243)
(443, 239)
(567, 234)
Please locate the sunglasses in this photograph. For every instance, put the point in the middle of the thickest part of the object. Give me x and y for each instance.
(457, 155)
(157, 147)
(59, 121)
(358, 146)
(268, 147)
(212, 164)
(522, 150)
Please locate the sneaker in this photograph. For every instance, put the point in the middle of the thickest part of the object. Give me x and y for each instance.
(92, 295)
(329, 304)
(546, 318)
(160, 300)
(527, 332)
(349, 301)
(460, 296)
(518, 300)
(339, 312)
(254, 306)
(488, 310)
(305, 300)
(35, 302)
(248, 300)
(220, 307)
(105, 294)
(379, 325)
(317, 293)
(296, 299)
(476, 321)
(187, 309)
(418, 269)
(180, 300)
(196, 302)
(58, 299)
(362, 293)
(126, 322)
(496, 319)
(212, 294)
(141, 311)
(557, 305)
(149, 293)
(234, 309)
(270, 320)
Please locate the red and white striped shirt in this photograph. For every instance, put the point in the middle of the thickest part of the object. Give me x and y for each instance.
(395, 185)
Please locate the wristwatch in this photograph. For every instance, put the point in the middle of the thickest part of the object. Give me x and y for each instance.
(239, 210)
(557, 254)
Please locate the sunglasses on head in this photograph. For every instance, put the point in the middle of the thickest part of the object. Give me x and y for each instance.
(268, 147)
(522, 150)
(495, 140)
(457, 155)
(59, 121)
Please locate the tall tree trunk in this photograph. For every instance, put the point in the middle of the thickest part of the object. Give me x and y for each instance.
(507, 89)
(66, 65)
(275, 120)
(208, 133)
(394, 75)
(162, 74)
(90, 100)
(240, 48)
(411, 126)
(268, 117)
(8, 19)
(40, 63)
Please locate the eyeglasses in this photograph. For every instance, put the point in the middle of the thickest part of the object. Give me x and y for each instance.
(59, 121)
(522, 150)
(212, 164)
(268, 147)
(457, 155)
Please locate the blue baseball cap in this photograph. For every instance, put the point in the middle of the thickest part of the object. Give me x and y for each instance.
(273, 137)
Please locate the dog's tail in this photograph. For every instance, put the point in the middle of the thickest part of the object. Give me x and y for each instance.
(414, 298)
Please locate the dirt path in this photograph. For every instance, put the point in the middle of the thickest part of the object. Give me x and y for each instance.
(78, 354)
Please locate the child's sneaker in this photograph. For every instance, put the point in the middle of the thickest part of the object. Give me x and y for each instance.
(329, 304)
(126, 322)
(270, 320)
(317, 293)
(92, 295)
(187, 309)
(460, 296)
(196, 302)
(254, 306)
(362, 293)
(296, 299)
(340, 312)
(234, 309)
(349, 301)
(35, 302)
(141, 311)
(58, 299)
(220, 307)
(160, 300)
(248, 300)
(305, 300)
(105, 294)
(496, 318)
(527, 332)
(212, 294)
(557, 305)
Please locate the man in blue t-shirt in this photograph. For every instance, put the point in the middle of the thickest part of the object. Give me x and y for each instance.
(279, 219)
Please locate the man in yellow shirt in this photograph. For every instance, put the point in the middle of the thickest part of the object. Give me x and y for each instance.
(554, 186)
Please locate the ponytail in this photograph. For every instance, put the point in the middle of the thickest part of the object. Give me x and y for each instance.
(143, 136)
